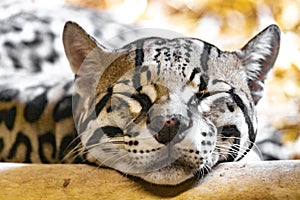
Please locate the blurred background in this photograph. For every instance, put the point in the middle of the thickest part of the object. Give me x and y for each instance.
(229, 25)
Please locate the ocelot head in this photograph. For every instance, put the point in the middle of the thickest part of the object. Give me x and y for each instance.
(166, 110)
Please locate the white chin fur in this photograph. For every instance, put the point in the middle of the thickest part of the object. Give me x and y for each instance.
(170, 175)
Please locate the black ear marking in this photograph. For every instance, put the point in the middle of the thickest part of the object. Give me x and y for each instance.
(258, 58)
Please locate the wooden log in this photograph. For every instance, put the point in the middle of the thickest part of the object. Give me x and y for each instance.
(259, 180)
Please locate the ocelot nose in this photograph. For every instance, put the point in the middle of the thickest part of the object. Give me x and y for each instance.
(167, 128)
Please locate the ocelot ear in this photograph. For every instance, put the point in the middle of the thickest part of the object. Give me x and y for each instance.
(258, 58)
(87, 58)
(78, 45)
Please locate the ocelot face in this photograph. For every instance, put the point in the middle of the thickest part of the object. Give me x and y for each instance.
(167, 110)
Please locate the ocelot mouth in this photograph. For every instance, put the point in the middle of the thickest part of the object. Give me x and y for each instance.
(171, 174)
(174, 173)
(165, 163)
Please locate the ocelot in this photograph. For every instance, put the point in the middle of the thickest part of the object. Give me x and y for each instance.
(162, 109)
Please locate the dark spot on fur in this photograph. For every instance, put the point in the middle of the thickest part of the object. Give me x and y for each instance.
(1, 144)
(139, 53)
(16, 62)
(100, 105)
(109, 109)
(21, 139)
(205, 56)
(17, 28)
(67, 144)
(136, 79)
(52, 57)
(9, 45)
(194, 72)
(230, 107)
(47, 138)
(8, 95)
(63, 109)
(203, 82)
(34, 109)
(9, 117)
(36, 63)
(112, 131)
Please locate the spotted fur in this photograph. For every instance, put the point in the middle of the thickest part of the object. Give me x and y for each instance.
(164, 110)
